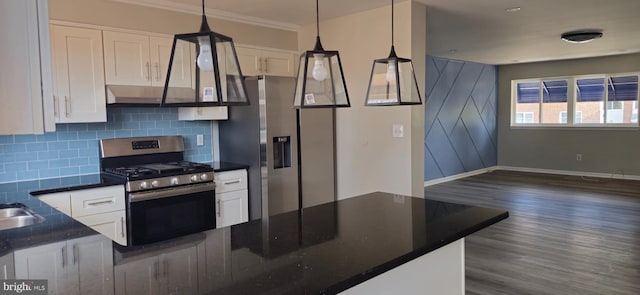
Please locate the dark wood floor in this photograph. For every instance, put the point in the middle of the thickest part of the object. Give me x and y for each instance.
(565, 235)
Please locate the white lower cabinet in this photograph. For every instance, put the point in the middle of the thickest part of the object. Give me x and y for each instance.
(113, 225)
(232, 208)
(102, 209)
(7, 267)
(173, 272)
(80, 266)
(232, 197)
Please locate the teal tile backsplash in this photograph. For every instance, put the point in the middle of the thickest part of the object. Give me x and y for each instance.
(73, 148)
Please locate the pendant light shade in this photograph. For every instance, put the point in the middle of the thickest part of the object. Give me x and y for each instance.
(320, 81)
(211, 61)
(393, 80)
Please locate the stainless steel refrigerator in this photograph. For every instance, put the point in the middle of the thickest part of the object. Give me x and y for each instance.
(264, 135)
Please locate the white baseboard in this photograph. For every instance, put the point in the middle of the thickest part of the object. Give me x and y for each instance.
(458, 176)
(570, 173)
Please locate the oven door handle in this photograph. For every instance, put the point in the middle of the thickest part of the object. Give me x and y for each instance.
(172, 192)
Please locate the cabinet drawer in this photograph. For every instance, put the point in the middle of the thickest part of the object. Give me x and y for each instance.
(229, 181)
(97, 200)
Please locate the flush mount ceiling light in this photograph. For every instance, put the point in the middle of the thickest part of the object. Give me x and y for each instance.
(392, 81)
(581, 36)
(320, 82)
(216, 76)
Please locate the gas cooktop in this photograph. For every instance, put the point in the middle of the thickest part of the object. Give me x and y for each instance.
(153, 170)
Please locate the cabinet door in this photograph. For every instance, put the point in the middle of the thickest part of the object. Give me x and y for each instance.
(160, 55)
(278, 63)
(25, 78)
(7, 267)
(50, 262)
(138, 277)
(250, 60)
(126, 58)
(94, 258)
(59, 201)
(180, 271)
(111, 224)
(78, 75)
(232, 208)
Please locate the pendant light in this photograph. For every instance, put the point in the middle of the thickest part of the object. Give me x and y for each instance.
(320, 81)
(392, 81)
(210, 60)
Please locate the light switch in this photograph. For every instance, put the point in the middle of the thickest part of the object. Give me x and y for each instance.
(200, 139)
(398, 130)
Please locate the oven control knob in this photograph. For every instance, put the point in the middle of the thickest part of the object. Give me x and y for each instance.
(194, 178)
(144, 185)
(203, 177)
(174, 181)
(155, 183)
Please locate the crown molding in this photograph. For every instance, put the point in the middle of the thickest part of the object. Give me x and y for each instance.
(215, 13)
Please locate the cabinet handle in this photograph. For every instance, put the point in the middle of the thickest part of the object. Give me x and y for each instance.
(231, 182)
(157, 66)
(218, 209)
(76, 255)
(64, 256)
(100, 203)
(55, 106)
(148, 65)
(266, 65)
(67, 106)
(199, 111)
(260, 64)
(122, 226)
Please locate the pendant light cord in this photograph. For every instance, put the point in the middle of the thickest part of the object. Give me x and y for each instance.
(392, 33)
(202, 7)
(317, 19)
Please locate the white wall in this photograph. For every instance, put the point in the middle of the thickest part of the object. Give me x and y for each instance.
(368, 157)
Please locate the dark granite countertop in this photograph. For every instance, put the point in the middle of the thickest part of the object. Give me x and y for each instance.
(227, 166)
(319, 250)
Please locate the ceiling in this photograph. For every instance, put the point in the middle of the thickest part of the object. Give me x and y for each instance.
(472, 30)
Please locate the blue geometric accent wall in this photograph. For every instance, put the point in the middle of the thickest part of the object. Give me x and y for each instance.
(460, 117)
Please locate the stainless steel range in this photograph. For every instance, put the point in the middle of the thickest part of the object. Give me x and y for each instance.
(166, 196)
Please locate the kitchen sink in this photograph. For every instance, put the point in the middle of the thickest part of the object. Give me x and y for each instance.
(17, 215)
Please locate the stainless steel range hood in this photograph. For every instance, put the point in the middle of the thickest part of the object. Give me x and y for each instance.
(149, 96)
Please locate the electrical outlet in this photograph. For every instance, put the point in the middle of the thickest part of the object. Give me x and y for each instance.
(200, 139)
(578, 157)
(398, 130)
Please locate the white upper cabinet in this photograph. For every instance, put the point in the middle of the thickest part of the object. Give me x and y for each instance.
(78, 75)
(126, 58)
(25, 78)
(160, 56)
(256, 61)
(143, 60)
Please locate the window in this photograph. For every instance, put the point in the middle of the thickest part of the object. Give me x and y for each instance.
(524, 117)
(554, 100)
(595, 100)
(577, 119)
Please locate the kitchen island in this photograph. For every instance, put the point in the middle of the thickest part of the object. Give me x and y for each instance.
(344, 246)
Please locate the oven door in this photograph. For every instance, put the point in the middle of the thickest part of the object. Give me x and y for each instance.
(168, 213)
